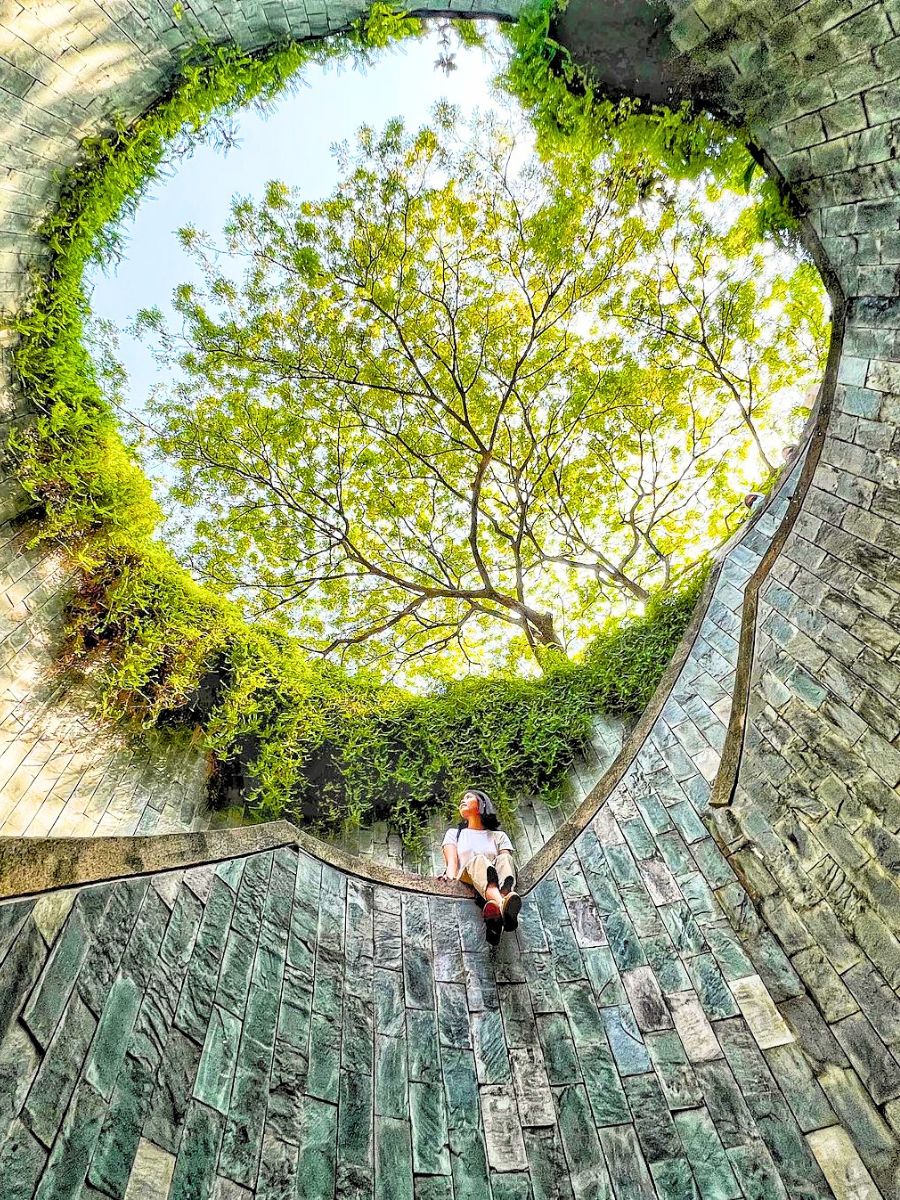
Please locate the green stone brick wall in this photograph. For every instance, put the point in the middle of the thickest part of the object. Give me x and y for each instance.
(275, 1028)
(816, 814)
(699, 1002)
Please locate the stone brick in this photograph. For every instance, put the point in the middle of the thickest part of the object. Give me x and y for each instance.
(196, 999)
(453, 1016)
(625, 1161)
(429, 1130)
(390, 1077)
(812, 1032)
(646, 999)
(693, 1027)
(863, 1122)
(847, 116)
(151, 1174)
(754, 1167)
(468, 1162)
(654, 1126)
(584, 1157)
(418, 978)
(677, 1076)
(22, 1163)
(511, 1186)
(290, 1075)
(234, 977)
(49, 998)
(242, 1136)
(705, 1153)
(532, 1088)
(118, 1139)
(113, 1034)
(393, 1160)
(558, 1048)
(732, 960)
(789, 1066)
(546, 1160)
(355, 1121)
(55, 1082)
(683, 929)
(841, 1164)
(72, 1150)
(143, 945)
(489, 1046)
(49, 913)
(543, 985)
(876, 999)
(171, 1096)
(502, 1131)
(770, 1111)
(825, 984)
(195, 1166)
(358, 1034)
(317, 1154)
(123, 917)
(216, 1069)
(422, 1040)
(877, 1067)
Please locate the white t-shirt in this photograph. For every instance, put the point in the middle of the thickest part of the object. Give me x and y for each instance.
(469, 842)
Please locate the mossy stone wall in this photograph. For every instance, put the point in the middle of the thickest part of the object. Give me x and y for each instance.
(678, 1014)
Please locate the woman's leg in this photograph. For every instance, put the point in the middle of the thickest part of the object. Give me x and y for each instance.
(476, 873)
(512, 902)
(506, 871)
(479, 871)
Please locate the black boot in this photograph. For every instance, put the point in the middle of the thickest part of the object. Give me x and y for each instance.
(511, 909)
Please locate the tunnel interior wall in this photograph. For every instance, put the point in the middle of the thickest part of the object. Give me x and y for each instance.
(636, 958)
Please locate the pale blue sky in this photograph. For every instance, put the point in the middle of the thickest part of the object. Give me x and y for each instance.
(292, 144)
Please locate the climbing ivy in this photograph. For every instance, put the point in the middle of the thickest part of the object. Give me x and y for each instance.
(72, 461)
(570, 116)
(300, 738)
(285, 735)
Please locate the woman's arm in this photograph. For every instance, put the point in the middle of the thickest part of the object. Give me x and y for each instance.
(451, 859)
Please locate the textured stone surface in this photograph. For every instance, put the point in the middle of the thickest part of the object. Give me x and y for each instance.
(60, 774)
(609, 1097)
(477, 1080)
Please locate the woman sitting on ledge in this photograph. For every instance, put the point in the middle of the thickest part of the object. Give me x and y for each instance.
(478, 852)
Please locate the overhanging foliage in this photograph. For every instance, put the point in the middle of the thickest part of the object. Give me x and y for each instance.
(569, 116)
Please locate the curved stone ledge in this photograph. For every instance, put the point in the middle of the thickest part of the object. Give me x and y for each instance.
(726, 778)
(30, 866)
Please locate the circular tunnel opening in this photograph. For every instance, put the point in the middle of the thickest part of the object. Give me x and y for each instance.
(690, 1005)
(285, 735)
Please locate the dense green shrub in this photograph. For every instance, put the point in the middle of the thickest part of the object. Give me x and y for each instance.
(330, 747)
(302, 738)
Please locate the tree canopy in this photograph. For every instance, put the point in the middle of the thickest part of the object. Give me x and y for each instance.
(475, 400)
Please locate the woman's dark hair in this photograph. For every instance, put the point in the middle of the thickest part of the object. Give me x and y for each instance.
(489, 817)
